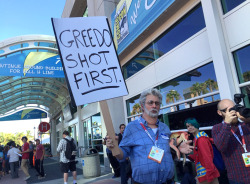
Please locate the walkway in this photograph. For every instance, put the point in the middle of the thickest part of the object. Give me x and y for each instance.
(54, 176)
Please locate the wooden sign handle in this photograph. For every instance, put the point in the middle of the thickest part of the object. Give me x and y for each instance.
(109, 126)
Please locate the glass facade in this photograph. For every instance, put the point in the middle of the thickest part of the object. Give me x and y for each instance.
(92, 129)
(241, 59)
(189, 95)
(228, 5)
(183, 29)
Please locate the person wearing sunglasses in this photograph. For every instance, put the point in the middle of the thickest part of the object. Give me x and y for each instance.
(146, 142)
(232, 138)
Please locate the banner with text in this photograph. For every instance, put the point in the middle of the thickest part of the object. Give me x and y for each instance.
(25, 115)
(89, 58)
(132, 17)
(32, 64)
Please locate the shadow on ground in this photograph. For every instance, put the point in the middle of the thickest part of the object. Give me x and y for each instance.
(52, 171)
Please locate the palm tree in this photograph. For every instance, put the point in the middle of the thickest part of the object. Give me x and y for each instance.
(136, 109)
(173, 96)
(197, 89)
(246, 76)
(211, 85)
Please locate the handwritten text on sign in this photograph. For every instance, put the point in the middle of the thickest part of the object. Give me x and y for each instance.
(89, 59)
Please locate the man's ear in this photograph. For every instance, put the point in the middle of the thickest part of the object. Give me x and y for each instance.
(219, 112)
(142, 108)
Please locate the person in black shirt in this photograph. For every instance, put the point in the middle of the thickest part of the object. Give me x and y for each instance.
(125, 167)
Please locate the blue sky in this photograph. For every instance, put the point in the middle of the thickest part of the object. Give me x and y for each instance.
(26, 17)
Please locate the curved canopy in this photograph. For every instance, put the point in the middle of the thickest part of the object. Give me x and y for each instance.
(50, 94)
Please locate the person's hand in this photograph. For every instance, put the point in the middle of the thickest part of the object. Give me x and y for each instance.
(109, 142)
(41, 158)
(230, 116)
(185, 147)
(246, 120)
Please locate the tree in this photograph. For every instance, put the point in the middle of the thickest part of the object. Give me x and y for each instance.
(211, 85)
(136, 109)
(173, 96)
(246, 76)
(197, 89)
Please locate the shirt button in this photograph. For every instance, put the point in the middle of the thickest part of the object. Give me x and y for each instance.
(160, 180)
(161, 169)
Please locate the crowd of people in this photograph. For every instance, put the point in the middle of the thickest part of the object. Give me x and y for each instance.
(14, 156)
(145, 142)
(145, 153)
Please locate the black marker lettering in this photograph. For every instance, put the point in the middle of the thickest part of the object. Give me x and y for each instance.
(94, 77)
(76, 33)
(83, 60)
(90, 38)
(83, 37)
(97, 38)
(87, 79)
(61, 40)
(113, 68)
(109, 36)
(70, 59)
(77, 80)
(91, 56)
(106, 75)
(103, 52)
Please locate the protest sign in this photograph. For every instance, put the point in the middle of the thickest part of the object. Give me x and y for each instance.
(90, 62)
(89, 58)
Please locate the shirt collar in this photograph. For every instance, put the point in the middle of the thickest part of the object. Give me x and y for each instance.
(146, 123)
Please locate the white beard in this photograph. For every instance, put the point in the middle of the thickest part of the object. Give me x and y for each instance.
(150, 113)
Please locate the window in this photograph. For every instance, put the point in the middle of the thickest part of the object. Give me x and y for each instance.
(58, 137)
(92, 129)
(58, 120)
(228, 5)
(189, 25)
(241, 58)
(192, 94)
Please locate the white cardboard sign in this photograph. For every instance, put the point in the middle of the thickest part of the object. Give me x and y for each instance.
(89, 58)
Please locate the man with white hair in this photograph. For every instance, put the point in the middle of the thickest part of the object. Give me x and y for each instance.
(146, 142)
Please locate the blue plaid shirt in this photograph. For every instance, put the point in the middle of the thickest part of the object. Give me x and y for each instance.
(136, 144)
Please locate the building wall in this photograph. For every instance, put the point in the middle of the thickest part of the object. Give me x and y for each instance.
(224, 33)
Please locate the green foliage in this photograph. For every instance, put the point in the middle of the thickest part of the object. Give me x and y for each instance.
(16, 137)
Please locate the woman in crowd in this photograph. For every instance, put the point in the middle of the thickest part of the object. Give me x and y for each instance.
(206, 171)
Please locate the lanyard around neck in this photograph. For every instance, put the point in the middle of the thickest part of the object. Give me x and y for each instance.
(156, 140)
(243, 143)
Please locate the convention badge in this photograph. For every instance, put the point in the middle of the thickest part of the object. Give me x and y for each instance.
(164, 136)
(156, 154)
(246, 159)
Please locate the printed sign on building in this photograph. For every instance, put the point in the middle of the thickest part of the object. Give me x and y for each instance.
(121, 23)
(25, 115)
(89, 58)
(32, 64)
(139, 16)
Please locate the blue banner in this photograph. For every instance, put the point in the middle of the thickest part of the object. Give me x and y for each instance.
(132, 17)
(25, 115)
(32, 64)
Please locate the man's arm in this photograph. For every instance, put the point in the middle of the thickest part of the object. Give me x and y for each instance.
(110, 145)
(26, 151)
(59, 147)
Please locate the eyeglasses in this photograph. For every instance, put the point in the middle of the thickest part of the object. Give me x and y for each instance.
(151, 102)
(223, 110)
